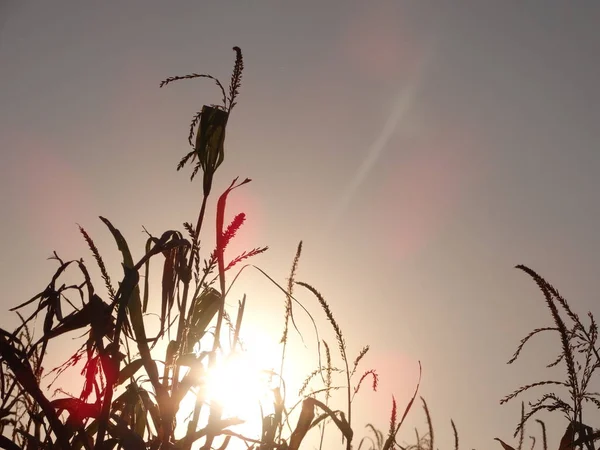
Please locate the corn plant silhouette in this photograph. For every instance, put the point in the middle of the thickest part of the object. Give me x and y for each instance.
(130, 397)
(580, 355)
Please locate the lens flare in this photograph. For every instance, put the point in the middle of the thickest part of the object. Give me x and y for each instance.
(240, 386)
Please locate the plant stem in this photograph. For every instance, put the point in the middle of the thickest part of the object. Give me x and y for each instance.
(182, 315)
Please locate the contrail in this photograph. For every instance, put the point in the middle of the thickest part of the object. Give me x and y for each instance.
(402, 105)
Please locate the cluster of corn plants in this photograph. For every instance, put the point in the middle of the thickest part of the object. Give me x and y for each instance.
(130, 395)
(579, 354)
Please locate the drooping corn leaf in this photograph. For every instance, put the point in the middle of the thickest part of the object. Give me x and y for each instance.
(128, 439)
(7, 444)
(306, 417)
(78, 410)
(90, 430)
(147, 277)
(134, 304)
(566, 442)
(169, 285)
(129, 370)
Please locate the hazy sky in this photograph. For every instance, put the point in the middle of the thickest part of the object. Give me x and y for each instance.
(420, 150)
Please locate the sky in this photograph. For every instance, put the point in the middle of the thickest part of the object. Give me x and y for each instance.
(420, 150)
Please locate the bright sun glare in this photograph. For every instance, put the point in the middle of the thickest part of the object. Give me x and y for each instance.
(240, 385)
(244, 383)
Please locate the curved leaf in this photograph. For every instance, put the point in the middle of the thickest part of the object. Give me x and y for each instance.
(134, 303)
(129, 370)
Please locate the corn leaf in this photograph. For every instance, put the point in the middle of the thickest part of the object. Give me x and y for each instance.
(134, 304)
(129, 370)
(306, 417)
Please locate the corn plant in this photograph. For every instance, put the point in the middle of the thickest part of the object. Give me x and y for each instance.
(131, 395)
(580, 356)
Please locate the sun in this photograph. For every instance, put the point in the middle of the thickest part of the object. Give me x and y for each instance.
(242, 383)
